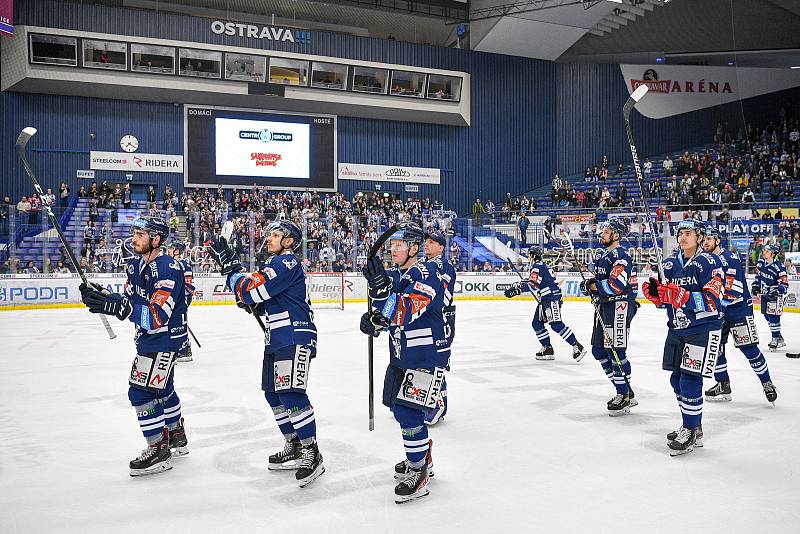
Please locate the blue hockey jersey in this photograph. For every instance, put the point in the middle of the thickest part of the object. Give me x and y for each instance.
(157, 292)
(736, 301)
(542, 280)
(702, 276)
(280, 286)
(772, 276)
(414, 309)
(615, 275)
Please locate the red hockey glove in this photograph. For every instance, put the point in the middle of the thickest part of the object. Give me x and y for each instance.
(672, 294)
(650, 290)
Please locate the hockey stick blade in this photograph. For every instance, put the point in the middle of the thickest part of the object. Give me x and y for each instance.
(639, 92)
(25, 136)
(22, 141)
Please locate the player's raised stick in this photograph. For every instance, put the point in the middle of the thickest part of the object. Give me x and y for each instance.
(25, 136)
(635, 97)
(373, 251)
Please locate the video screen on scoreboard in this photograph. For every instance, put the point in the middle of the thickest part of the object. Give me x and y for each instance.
(239, 148)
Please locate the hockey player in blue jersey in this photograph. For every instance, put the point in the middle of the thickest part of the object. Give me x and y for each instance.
(176, 250)
(155, 300)
(772, 284)
(613, 290)
(278, 292)
(738, 319)
(408, 300)
(692, 296)
(434, 247)
(542, 284)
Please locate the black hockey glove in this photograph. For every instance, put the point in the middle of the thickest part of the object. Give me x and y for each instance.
(755, 289)
(774, 292)
(377, 280)
(250, 308)
(513, 291)
(105, 302)
(225, 257)
(373, 322)
(584, 287)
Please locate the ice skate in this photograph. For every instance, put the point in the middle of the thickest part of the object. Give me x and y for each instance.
(770, 391)
(776, 343)
(546, 353)
(310, 465)
(698, 436)
(578, 352)
(178, 444)
(155, 458)
(721, 392)
(402, 469)
(288, 458)
(619, 405)
(413, 487)
(684, 442)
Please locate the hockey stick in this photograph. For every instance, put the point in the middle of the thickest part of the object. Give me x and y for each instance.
(25, 136)
(199, 346)
(373, 251)
(626, 113)
(513, 268)
(583, 268)
(226, 232)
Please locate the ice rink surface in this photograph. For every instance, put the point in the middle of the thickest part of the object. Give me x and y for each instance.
(527, 446)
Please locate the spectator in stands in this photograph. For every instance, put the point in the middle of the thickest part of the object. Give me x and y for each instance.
(774, 191)
(82, 193)
(36, 207)
(455, 250)
(622, 194)
(30, 268)
(489, 209)
(49, 198)
(24, 207)
(127, 197)
(93, 193)
(63, 195)
(522, 224)
(94, 212)
(151, 196)
(778, 214)
(667, 165)
(61, 268)
(788, 192)
(724, 217)
(173, 223)
(767, 216)
(620, 169)
(477, 211)
(647, 169)
(587, 174)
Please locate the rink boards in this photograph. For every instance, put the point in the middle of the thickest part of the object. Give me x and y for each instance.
(61, 290)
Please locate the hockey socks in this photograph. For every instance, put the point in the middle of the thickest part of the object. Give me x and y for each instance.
(564, 331)
(151, 420)
(172, 410)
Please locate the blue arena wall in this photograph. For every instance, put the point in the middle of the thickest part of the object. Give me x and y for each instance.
(530, 118)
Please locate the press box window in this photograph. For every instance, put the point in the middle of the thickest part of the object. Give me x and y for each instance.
(444, 87)
(53, 50)
(104, 54)
(367, 80)
(200, 63)
(288, 71)
(328, 75)
(406, 83)
(152, 59)
(245, 67)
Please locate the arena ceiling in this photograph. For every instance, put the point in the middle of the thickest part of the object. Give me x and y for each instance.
(762, 33)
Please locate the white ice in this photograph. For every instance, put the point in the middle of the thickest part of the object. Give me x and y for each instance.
(527, 446)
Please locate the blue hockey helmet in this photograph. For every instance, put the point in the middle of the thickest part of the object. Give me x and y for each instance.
(774, 248)
(410, 232)
(153, 226)
(535, 253)
(437, 236)
(713, 231)
(289, 229)
(619, 226)
(699, 227)
(180, 246)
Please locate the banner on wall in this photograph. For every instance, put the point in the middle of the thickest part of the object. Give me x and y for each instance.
(386, 173)
(122, 161)
(7, 17)
(62, 289)
(676, 89)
